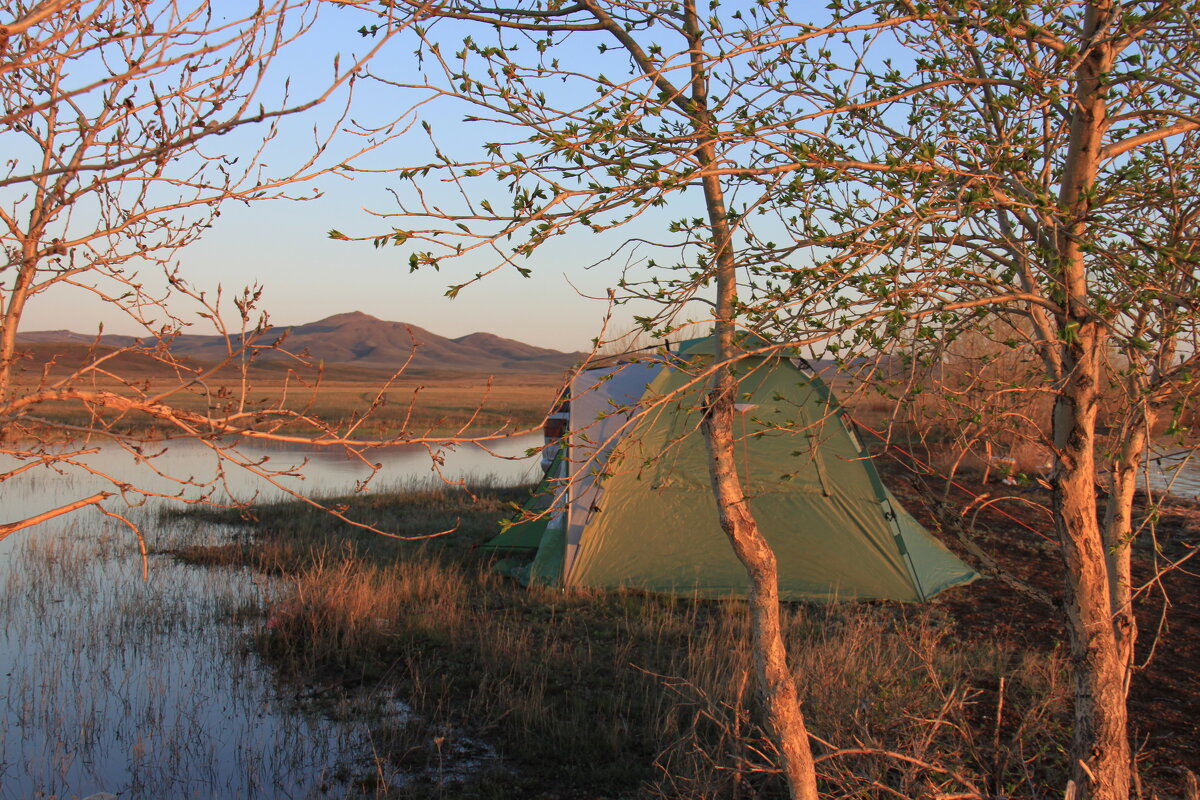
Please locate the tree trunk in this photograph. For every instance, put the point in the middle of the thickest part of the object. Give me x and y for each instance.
(1118, 535)
(1100, 755)
(780, 700)
(10, 318)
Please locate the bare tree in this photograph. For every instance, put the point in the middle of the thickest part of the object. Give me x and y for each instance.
(112, 111)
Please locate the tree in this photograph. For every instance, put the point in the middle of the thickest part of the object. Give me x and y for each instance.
(111, 111)
(895, 175)
(676, 153)
(1031, 171)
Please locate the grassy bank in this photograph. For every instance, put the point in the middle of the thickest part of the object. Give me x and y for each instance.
(433, 404)
(622, 694)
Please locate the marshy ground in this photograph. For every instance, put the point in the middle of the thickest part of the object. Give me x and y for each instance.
(522, 692)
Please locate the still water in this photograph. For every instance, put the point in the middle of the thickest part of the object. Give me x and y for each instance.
(1177, 473)
(145, 688)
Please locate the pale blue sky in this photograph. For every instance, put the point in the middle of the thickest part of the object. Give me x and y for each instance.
(284, 245)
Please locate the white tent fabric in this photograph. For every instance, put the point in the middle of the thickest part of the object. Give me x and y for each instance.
(601, 401)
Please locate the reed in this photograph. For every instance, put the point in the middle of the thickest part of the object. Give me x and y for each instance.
(142, 688)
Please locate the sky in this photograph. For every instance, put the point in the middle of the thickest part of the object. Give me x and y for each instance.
(308, 276)
(284, 246)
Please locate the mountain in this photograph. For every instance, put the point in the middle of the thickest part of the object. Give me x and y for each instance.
(359, 340)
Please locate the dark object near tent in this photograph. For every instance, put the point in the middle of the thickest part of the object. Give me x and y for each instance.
(627, 501)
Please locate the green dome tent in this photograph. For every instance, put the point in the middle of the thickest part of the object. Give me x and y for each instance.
(627, 501)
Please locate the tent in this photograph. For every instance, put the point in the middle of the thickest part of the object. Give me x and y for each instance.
(627, 501)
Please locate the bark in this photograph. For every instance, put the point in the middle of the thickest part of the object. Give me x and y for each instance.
(10, 316)
(1100, 754)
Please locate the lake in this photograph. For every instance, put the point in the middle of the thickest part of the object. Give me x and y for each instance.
(147, 689)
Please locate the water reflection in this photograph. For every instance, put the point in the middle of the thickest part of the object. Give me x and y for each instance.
(193, 469)
(145, 689)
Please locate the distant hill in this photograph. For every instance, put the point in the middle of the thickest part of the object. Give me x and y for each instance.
(353, 339)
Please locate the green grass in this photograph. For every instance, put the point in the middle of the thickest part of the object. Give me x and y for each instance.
(622, 694)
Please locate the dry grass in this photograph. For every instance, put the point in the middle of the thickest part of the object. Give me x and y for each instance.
(590, 694)
(430, 404)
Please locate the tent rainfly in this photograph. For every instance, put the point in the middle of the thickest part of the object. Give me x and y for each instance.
(627, 501)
